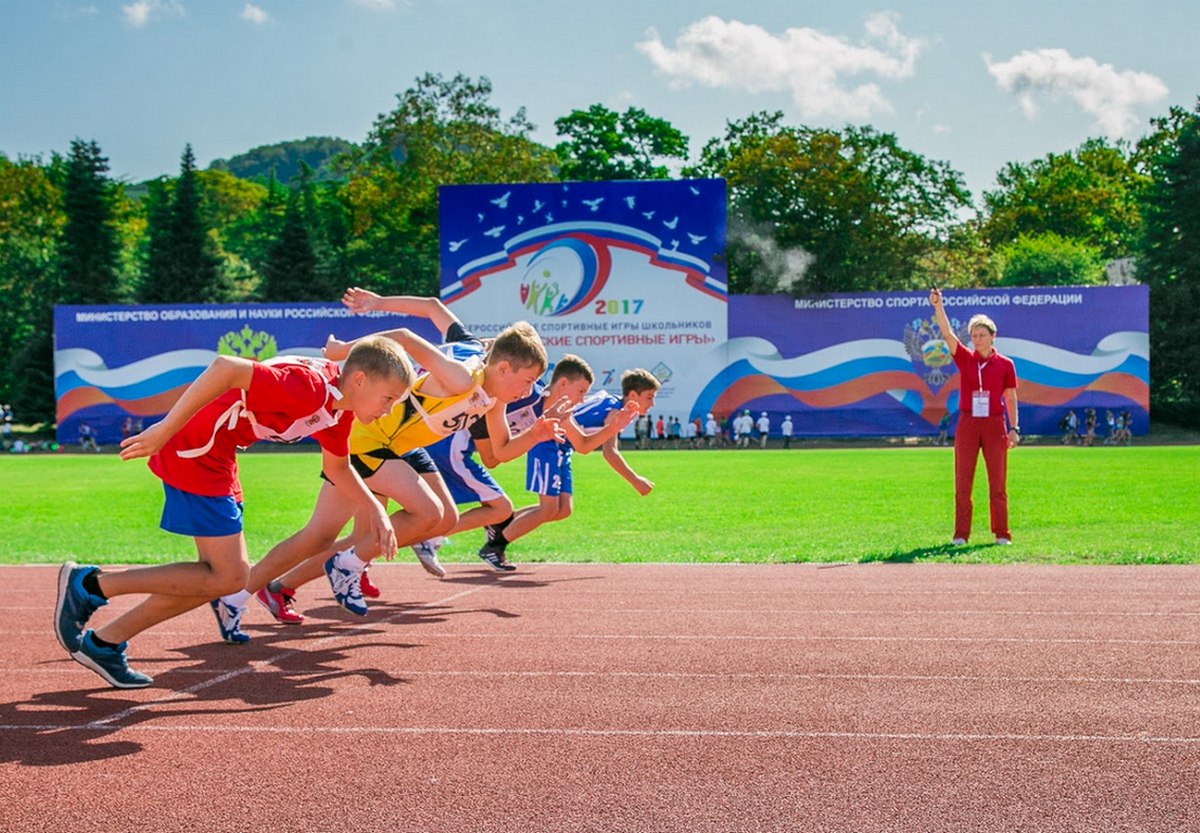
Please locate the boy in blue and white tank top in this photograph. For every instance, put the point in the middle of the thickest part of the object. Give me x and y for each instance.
(595, 423)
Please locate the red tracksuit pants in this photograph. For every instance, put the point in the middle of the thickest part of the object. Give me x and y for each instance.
(975, 434)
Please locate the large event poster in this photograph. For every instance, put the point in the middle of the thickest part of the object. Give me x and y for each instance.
(875, 364)
(114, 362)
(623, 274)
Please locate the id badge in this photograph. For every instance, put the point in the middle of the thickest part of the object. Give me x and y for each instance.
(981, 405)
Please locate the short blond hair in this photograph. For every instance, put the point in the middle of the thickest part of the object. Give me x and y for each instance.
(981, 320)
(378, 357)
(638, 380)
(520, 346)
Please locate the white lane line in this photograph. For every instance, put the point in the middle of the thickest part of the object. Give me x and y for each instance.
(252, 666)
(765, 734)
(705, 675)
(526, 636)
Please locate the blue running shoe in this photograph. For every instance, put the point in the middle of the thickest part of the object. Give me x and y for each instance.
(109, 663)
(74, 605)
(347, 587)
(229, 621)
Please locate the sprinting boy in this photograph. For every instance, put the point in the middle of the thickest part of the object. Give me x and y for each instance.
(193, 450)
(548, 468)
(569, 383)
(461, 386)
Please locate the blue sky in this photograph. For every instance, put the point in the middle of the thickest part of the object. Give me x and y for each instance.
(974, 84)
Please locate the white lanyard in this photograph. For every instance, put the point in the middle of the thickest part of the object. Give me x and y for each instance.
(981, 405)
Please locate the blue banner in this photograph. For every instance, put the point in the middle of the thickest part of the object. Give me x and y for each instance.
(876, 365)
(116, 366)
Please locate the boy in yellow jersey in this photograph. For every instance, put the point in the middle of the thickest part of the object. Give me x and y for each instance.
(460, 383)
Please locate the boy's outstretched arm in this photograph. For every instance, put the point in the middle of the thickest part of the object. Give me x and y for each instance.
(451, 375)
(504, 446)
(360, 300)
(612, 456)
(225, 373)
(586, 441)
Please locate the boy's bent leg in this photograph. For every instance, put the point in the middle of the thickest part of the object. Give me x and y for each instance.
(330, 513)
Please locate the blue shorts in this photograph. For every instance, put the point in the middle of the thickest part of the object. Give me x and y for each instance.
(200, 516)
(548, 469)
(468, 481)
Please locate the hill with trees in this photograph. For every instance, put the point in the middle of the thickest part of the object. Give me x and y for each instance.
(286, 160)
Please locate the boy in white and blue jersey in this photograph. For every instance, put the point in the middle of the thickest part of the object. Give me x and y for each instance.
(470, 482)
(597, 419)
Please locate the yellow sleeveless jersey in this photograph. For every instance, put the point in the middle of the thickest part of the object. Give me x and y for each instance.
(419, 421)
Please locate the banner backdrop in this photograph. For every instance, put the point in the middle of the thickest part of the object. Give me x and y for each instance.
(623, 274)
(875, 364)
(113, 362)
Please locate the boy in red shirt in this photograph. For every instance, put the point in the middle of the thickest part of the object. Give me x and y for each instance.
(193, 450)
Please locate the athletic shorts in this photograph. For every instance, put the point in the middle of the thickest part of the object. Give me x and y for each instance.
(468, 480)
(200, 516)
(548, 469)
(418, 460)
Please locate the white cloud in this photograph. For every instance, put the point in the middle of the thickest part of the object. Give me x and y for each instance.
(140, 12)
(254, 14)
(376, 5)
(810, 64)
(1108, 95)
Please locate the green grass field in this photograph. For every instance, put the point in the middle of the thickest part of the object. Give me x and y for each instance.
(1068, 505)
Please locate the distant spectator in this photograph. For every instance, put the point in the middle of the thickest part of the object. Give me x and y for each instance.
(641, 430)
(764, 429)
(943, 430)
(710, 430)
(1089, 427)
(786, 430)
(1069, 426)
(660, 431)
(87, 437)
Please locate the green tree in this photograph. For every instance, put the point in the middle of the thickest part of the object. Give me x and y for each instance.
(863, 209)
(183, 264)
(962, 259)
(1049, 260)
(1091, 194)
(1169, 262)
(290, 273)
(31, 221)
(88, 255)
(442, 132)
(602, 144)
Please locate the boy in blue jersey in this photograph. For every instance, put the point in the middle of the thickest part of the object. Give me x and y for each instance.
(548, 465)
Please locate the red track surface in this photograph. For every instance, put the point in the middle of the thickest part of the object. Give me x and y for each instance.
(630, 698)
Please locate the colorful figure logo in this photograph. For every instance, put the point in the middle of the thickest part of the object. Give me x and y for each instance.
(563, 277)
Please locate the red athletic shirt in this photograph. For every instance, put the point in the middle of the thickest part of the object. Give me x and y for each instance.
(999, 374)
(289, 398)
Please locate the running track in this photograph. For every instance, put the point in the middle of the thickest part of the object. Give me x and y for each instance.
(899, 697)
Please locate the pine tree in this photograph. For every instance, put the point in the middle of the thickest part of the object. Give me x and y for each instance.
(89, 252)
(290, 273)
(182, 266)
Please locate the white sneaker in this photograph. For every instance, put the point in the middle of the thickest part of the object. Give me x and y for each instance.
(1004, 542)
(958, 542)
(427, 554)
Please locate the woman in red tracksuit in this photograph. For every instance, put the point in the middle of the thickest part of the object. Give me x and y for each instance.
(988, 382)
